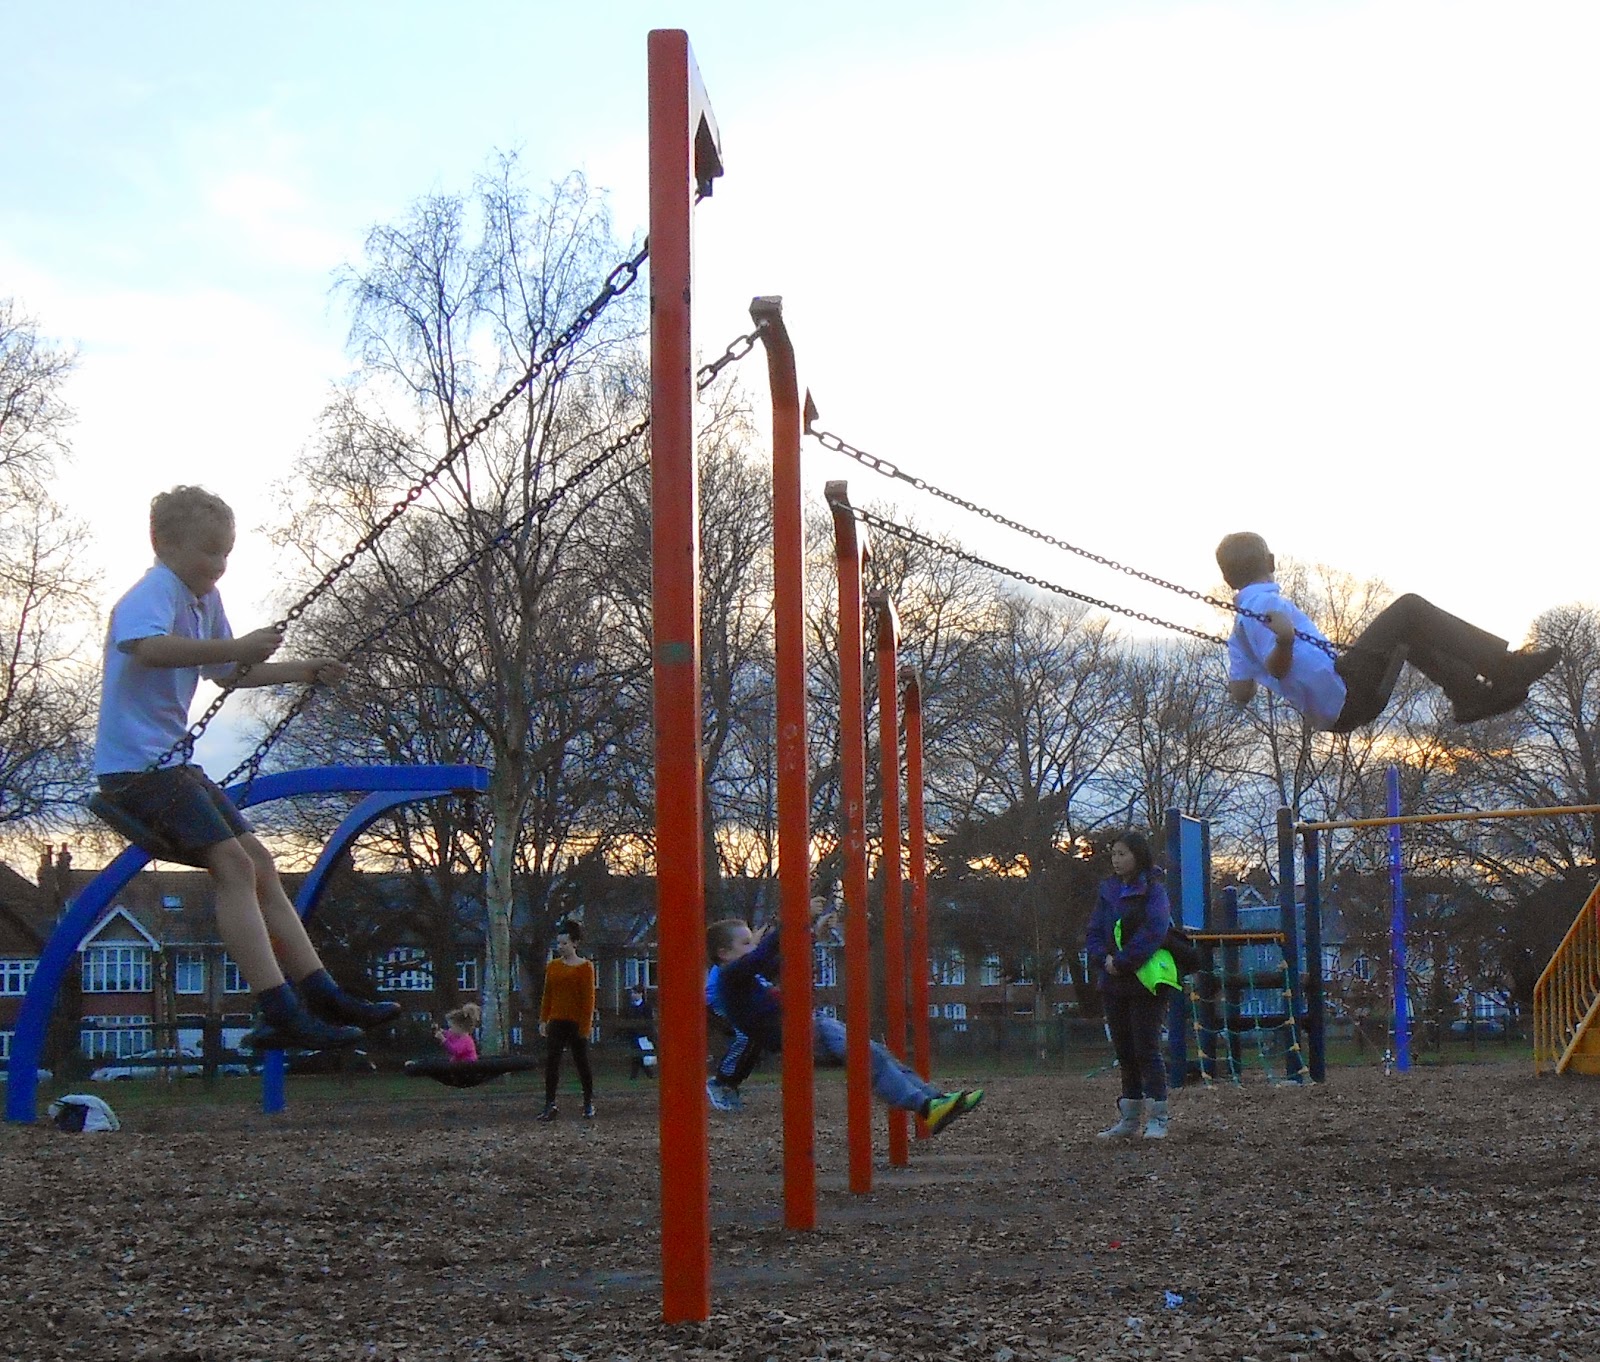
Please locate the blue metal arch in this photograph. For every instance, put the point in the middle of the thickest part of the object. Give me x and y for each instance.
(390, 786)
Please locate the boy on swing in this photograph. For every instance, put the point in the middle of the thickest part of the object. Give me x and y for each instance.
(167, 632)
(1478, 673)
(741, 991)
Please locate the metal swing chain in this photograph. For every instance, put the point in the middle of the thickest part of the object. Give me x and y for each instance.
(878, 522)
(618, 282)
(889, 469)
(250, 767)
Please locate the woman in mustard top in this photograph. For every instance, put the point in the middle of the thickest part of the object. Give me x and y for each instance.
(566, 1011)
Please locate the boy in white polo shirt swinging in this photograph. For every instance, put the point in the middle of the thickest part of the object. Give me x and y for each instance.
(1477, 672)
(164, 634)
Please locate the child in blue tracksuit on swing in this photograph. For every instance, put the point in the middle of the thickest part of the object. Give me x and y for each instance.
(741, 991)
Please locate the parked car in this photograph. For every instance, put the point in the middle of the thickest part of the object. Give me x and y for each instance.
(149, 1064)
(1464, 1027)
(328, 1062)
(184, 1062)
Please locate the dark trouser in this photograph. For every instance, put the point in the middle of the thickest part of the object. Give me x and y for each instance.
(558, 1036)
(638, 1040)
(1446, 649)
(739, 1060)
(1135, 1018)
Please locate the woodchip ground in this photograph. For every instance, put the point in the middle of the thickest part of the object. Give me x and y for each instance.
(1445, 1214)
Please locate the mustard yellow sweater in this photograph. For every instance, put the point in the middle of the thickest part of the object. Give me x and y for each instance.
(568, 992)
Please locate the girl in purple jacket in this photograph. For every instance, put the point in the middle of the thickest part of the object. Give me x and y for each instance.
(1135, 974)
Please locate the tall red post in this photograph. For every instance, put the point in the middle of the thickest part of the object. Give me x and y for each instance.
(918, 965)
(794, 795)
(894, 920)
(851, 552)
(683, 157)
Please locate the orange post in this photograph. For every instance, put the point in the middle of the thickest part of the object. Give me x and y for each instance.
(794, 774)
(894, 920)
(850, 546)
(683, 158)
(918, 966)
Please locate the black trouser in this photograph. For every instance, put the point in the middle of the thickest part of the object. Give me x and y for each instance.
(560, 1035)
(1446, 649)
(1135, 1016)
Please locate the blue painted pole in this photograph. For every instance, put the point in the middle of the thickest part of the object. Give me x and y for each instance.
(274, 1097)
(1316, 1020)
(1397, 930)
(1178, 880)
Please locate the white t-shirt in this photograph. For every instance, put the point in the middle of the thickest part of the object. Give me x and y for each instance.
(145, 710)
(1311, 686)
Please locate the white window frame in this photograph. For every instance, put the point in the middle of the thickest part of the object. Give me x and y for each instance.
(405, 969)
(120, 968)
(948, 969)
(640, 971)
(5, 1044)
(989, 973)
(956, 1015)
(467, 974)
(824, 965)
(15, 976)
(233, 980)
(115, 1037)
(184, 961)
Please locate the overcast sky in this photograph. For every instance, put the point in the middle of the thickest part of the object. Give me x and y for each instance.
(1138, 273)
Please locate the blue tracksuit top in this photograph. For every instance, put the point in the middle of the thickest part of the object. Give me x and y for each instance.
(745, 995)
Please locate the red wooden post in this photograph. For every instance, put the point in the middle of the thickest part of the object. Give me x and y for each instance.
(683, 157)
(794, 794)
(850, 545)
(918, 965)
(894, 921)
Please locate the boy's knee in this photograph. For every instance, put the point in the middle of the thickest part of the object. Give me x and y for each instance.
(230, 862)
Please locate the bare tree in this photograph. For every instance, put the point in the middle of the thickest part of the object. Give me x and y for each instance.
(450, 305)
(47, 693)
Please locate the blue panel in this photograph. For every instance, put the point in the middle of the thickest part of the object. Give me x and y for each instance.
(1192, 841)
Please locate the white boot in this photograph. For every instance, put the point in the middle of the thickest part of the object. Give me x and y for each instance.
(1127, 1120)
(1155, 1125)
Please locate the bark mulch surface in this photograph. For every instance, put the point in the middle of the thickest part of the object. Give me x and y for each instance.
(1442, 1215)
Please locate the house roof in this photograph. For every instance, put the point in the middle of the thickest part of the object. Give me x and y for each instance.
(23, 911)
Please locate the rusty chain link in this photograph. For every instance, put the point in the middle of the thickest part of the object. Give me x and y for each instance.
(879, 522)
(250, 767)
(888, 469)
(618, 282)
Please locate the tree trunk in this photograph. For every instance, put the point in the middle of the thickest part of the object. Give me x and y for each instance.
(499, 901)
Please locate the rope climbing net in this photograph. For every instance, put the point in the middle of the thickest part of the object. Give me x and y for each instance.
(1224, 1012)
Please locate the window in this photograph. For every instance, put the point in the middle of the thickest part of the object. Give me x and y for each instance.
(116, 969)
(825, 966)
(405, 969)
(232, 980)
(467, 974)
(15, 976)
(640, 970)
(189, 972)
(172, 902)
(115, 1037)
(1362, 969)
(990, 973)
(5, 1044)
(956, 1013)
(948, 968)
(828, 1010)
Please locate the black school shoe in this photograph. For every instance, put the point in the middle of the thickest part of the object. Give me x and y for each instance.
(300, 1031)
(325, 1000)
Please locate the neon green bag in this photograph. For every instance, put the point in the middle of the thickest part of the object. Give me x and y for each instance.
(1160, 969)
